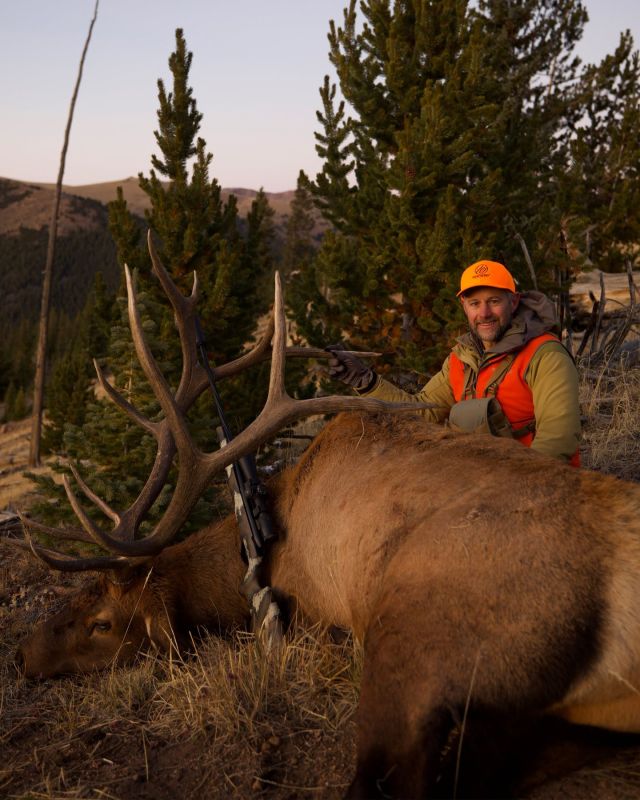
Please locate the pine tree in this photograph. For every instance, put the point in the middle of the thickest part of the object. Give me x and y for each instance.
(260, 236)
(535, 67)
(448, 155)
(99, 314)
(127, 235)
(5, 366)
(602, 185)
(72, 374)
(299, 245)
(66, 398)
(20, 347)
(198, 231)
(299, 266)
(256, 267)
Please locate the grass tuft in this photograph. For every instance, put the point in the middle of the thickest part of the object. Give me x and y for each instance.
(610, 400)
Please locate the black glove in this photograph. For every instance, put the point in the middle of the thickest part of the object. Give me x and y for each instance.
(349, 369)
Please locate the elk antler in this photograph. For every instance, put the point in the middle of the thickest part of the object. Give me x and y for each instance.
(195, 467)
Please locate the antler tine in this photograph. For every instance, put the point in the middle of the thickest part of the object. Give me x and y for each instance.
(132, 517)
(97, 501)
(176, 298)
(184, 316)
(318, 352)
(65, 563)
(71, 534)
(166, 450)
(261, 352)
(114, 395)
(277, 389)
(157, 380)
(98, 536)
(121, 539)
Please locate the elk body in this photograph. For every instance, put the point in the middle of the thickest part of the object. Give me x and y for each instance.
(480, 576)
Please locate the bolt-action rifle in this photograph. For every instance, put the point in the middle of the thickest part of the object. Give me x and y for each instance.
(254, 521)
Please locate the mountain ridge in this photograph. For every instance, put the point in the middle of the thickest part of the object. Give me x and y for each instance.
(28, 203)
(84, 245)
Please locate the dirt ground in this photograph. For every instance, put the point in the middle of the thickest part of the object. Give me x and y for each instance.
(160, 729)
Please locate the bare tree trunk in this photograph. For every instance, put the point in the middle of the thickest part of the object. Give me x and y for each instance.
(527, 258)
(41, 351)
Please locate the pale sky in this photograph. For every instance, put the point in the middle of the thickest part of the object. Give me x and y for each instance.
(257, 67)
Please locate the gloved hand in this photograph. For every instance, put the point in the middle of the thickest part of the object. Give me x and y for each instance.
(349, 369)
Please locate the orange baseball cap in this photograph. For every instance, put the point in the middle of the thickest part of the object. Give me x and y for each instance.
(486, 273)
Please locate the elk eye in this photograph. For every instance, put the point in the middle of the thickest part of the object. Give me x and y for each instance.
(101, 626)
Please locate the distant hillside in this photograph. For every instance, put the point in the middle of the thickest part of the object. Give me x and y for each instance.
(84, 245)
(104, 193)
(28, 205)
(83, 248)
(138, 201)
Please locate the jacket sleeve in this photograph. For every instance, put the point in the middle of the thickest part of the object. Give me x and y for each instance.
(436, 391)
(553, 379)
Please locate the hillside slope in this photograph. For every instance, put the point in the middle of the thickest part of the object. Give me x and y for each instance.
(83, 248)
(84, 245)
(138, 201)
(28, 206)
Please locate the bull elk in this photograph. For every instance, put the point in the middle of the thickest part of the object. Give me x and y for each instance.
(481, 577)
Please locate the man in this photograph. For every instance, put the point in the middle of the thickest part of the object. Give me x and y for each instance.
(509, 375)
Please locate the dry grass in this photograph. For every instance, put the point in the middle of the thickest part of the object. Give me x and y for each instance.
(14, 454)
(236, 689)
(253, 719)
(610, 401)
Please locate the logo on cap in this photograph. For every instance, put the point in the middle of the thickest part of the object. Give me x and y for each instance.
(481, 270)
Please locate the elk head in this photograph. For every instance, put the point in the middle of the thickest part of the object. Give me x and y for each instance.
(101, 624)
(114, 617)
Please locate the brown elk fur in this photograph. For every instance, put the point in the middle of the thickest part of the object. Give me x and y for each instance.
(477, 572)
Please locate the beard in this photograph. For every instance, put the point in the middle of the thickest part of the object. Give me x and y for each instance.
(496, 333)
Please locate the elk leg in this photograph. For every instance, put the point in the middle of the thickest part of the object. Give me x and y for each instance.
(400, 764)
(404, 718)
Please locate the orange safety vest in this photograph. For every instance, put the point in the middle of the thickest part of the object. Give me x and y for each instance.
(503, 378)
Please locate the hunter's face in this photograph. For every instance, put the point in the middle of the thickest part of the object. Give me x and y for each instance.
(489, 312)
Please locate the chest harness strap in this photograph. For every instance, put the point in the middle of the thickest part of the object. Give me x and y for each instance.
(484, 414)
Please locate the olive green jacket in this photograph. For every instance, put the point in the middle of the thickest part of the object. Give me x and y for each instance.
(551, 376)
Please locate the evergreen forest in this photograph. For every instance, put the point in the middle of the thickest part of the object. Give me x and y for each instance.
(454, 131)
